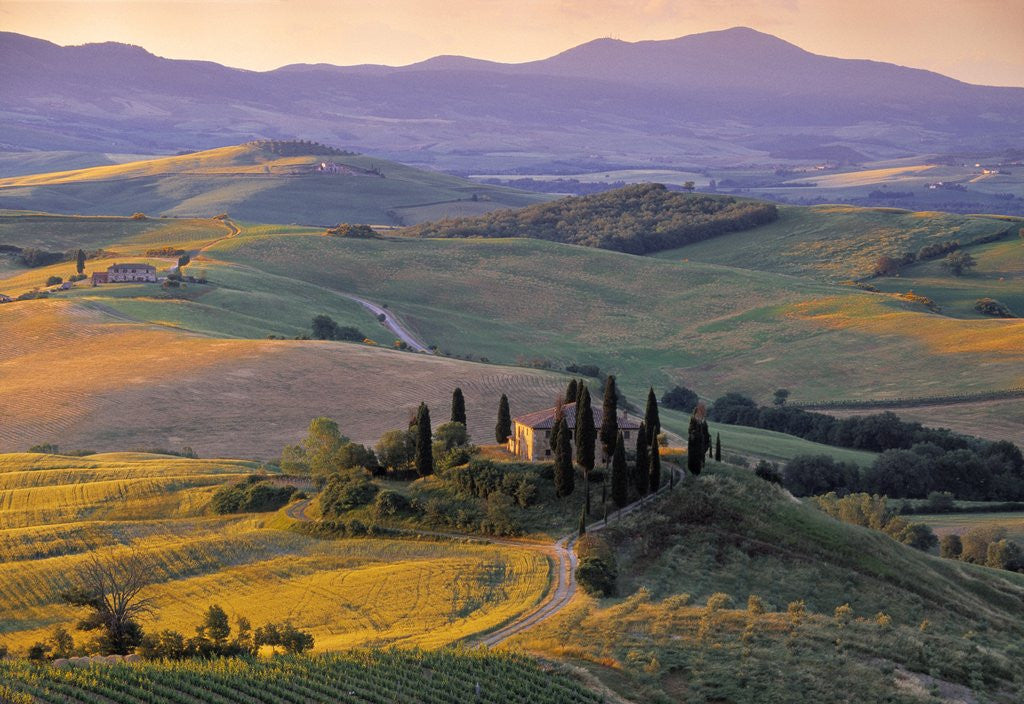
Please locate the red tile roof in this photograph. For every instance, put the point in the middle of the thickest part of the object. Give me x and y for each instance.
(132, 266)
(545, 420)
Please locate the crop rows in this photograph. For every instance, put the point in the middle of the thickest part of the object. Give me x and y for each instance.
(354, 677)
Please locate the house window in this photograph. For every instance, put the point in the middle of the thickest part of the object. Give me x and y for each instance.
(547, 453)
(547, 433)
(626, 435)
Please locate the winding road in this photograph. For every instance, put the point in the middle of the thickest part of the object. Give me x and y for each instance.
(390, 322)
(561, 553)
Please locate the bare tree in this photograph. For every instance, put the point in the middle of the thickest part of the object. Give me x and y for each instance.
(110, 587)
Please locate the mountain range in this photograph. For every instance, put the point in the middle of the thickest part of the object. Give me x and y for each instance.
(727, 97)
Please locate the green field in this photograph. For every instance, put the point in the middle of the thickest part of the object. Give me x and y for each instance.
(251, 183)
(960, 523)
(836, 242)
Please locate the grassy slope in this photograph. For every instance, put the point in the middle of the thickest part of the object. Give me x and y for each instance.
(54, 511)
(835, 242)
(253, 184)
(652, 321)
(729, 532)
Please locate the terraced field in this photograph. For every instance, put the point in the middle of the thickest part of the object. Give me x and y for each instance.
(56, 511)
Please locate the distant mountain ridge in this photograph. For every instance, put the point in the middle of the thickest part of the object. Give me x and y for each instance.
(717, 96)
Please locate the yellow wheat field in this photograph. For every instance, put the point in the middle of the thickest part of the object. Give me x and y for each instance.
(346, 592)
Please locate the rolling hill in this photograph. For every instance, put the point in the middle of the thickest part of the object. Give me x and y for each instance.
(256, 182)
(727, 96)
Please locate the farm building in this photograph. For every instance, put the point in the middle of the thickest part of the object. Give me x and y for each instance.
(126, 272)
(5, 299)
(531, 433)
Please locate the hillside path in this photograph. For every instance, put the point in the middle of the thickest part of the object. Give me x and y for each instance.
(390, 322)
(561, 552)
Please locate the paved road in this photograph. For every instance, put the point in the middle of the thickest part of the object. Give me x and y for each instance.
(561, 553)
(390, 322)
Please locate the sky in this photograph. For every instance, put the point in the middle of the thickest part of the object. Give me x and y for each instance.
(979, 41)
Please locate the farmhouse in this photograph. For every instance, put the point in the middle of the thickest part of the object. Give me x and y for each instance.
(531, 433)
(126, 272)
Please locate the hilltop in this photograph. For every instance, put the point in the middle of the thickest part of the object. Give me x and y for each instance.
(272, 182)
(733, 96)
(730, 590)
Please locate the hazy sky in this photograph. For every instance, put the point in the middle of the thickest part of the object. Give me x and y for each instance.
(981, 41)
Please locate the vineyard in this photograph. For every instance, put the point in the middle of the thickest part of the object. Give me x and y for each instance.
(356, 677)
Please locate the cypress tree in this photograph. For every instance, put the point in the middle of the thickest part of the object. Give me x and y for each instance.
(80, 261)
(556, 425)
(620, 482)
(651, 418)
(581, 386)
(458, 407)
(586, 437)
(655, 468)
(504, 427)
(571, 391)
(564, 475)
(609, 421)
(718, 447)
(583, 521)
(641, 470)
(424, 451)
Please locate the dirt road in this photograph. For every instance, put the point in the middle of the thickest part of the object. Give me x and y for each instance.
(561, 554)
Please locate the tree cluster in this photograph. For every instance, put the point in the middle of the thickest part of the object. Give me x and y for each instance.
(324, 328)
(872, 511)
(680, 398)
(637, 219)
(253, 495)
(362, 232)
(482, 478)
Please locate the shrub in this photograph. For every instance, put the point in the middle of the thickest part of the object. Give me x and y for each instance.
(139, 216)
(345, 491)
(45, 448)
(54, 280)
(597, 570)
(389, 503)
(950, 546)
(768, 471)
(976, 542)
(251, 496)
(990, 306)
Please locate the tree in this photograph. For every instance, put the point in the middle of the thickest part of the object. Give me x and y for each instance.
(110, 587)
(62, 645)
(620, 482)
(215, 626)
(458, 407)
(718, 447)
(80, 261)
(680, 398)
(609, 420)
(780, 397)
(652, 419)
(564, 473)
(54, 280)
(321, 443)
(688, 186)
(424, 454)
(556, 426)
(324, 328)
(586, 437)
(183, 261)
(642, 467)
(698, 440)
(654, 469)
(503, 429)
(958, 262)
(396, 449)
(571, 391)
(451, 435)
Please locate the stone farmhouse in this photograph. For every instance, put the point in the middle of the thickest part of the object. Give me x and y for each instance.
(531, 433)
(121, 273)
